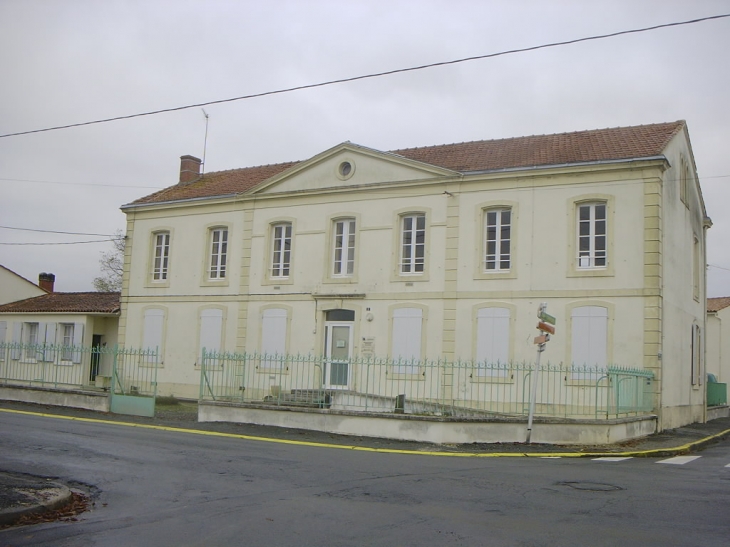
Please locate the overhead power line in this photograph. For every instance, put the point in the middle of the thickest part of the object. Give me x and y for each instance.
(81, 183)
(55, 231)
(373, 75)
(61, 243)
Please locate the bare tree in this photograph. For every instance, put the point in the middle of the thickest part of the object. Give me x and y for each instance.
(111, 265)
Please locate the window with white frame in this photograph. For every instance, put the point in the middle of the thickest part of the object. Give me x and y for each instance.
(281, 249)
(67, 341)
(30, 339)
(589, 340)
(406, 340)
(592, 235)
(161, 258)
(493, 335)
(273, 336)
(344, 248)
(218, 253)
(497, 239)
(413, 244)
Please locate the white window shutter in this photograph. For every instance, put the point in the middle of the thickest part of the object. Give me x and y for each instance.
(78, 341)
(211, 329)
(407, 325)
(493, 335)
(273, 331)
(17, 340)
(41, 340)
(3, 334)
(50, 336)
(153, 329)
(590, 336)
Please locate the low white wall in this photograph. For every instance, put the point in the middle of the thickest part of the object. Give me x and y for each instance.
(433, 430)
(73, 399)
(718, 412)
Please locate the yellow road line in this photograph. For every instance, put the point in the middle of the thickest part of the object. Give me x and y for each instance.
(636, 453)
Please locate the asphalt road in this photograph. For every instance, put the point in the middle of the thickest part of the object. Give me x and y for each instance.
(165, 488)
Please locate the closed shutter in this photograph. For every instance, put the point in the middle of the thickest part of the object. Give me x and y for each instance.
(154, 320)
(17, 341)
(211, 330)
(3, 334)
(406, 340)
(493, 340)
(273, 335)
(590, 337)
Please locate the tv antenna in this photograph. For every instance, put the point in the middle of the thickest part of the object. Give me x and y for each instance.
(205, 141)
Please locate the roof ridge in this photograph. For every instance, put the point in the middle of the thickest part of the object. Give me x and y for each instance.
(679, 124)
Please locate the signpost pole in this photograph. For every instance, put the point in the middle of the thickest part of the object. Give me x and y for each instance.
(533, 394)
(546, 329)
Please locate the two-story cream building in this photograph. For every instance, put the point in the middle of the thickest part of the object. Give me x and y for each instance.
(441, 251)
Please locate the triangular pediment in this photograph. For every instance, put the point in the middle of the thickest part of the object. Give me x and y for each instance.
(349, 165)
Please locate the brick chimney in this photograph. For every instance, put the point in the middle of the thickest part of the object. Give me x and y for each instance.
(189, 169)
(46, 281)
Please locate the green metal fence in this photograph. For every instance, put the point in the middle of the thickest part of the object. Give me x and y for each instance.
(430, 387)
(75, 367)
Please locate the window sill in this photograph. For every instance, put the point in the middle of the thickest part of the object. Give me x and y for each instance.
(494, 379)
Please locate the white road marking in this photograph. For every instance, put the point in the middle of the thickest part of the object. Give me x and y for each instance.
(612, 459)
(680, 460)
(728, 465)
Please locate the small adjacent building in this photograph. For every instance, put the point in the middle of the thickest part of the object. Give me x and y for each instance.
(718, 338)
(57, 334)
(435, 252)
(16, 287)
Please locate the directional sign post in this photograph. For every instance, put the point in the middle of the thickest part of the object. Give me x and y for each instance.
(546, 326)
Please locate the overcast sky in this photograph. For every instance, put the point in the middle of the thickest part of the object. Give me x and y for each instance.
(76, 61)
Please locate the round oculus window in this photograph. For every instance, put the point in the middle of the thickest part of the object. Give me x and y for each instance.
(345, 169)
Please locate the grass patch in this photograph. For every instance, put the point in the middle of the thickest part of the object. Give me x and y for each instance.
(167, 401)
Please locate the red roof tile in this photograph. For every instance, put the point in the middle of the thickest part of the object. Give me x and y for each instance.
(717, 304)
(66, 302)
(619, 143)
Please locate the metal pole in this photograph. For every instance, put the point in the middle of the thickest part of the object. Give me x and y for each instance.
(533, 395)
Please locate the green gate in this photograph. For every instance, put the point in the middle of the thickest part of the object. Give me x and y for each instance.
(134, 382)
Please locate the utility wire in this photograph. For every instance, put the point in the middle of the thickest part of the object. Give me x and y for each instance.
(719, 267)
(56, 243)
(373, 75)
(55, 232)
(81, 183)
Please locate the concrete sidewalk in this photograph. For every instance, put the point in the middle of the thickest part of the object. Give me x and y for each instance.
(22, 495)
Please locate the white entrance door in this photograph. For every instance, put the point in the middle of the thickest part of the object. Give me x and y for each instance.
(338, 341)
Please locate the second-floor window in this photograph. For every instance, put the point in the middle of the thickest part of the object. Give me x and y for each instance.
(344, 248)
(592, 244)
(281, 253)
(413, 244)
(161, 256)
(218, 253)
(498, 233)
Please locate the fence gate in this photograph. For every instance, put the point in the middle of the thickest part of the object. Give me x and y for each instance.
(134, 382)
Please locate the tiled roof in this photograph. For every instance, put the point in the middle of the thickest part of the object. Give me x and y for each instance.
(66, 302)
(717, 304)
(619, 143)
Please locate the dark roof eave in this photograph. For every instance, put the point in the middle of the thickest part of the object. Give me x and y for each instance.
(176, 201)
(565, 165)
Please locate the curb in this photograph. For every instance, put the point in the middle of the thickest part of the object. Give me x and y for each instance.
(658, 452)
(57, 494)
